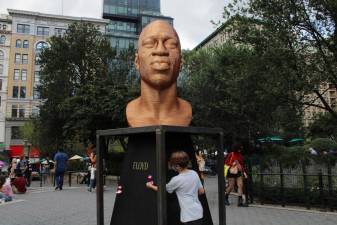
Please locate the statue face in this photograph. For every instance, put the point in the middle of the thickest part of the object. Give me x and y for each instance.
(158, 58)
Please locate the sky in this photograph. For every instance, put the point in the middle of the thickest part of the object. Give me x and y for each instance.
(192, 18)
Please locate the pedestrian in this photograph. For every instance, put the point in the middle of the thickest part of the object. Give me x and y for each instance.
(19, 185)
(187, 186)
(236, 173)
(92, 183)
(201, 164)
(61, 160)
(6, 192)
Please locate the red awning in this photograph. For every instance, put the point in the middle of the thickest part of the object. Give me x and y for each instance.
(16, 151)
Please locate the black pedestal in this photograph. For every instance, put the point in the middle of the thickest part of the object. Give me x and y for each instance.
(137, 205)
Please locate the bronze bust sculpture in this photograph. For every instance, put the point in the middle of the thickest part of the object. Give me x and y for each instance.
(158, 60)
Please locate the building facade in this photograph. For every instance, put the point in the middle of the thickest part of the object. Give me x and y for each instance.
(30, 33)
(310, 112)
(5, 42)
(127, 18)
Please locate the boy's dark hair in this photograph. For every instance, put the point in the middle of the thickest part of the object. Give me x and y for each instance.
(179, 158)
(2, 180)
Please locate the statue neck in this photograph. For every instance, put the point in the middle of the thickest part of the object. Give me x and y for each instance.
(158, 101)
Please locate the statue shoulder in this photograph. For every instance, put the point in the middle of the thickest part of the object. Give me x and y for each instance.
(185, 106)
(131, 108)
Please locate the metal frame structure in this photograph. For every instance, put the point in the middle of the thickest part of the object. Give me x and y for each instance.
(160, 135)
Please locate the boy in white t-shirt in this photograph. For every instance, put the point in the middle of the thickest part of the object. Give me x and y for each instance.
(187, 186)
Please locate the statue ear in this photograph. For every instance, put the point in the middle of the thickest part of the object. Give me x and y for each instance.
(137, 61)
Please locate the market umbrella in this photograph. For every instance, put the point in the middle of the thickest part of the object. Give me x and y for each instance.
(270, 139)
(295, 140)
(76, 157)
(2, 164)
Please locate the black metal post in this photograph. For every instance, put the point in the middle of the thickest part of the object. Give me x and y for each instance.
(99, 186)
(261, 185)
(250, 182)
(305, 185)
(320, 186)
(221, 181)
(161, 176)
(330, 203)
(282, 185)
(41, 176)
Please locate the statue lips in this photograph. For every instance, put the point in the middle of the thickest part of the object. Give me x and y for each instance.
(160, 65)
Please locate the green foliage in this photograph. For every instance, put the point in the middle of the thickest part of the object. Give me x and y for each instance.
(303, 29)
(323, 126)
(86, 85)
(234, 87)
(323, 144)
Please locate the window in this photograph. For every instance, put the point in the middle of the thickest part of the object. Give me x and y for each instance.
(23, 28)
(23, 92)
(24, 59)
(35, 111)
(14, 111)
(16, 74)
(0, 84)
(43, 31)
(37, 60)
(17, 58)
(4, 27)
(41, 45)
(36, 94)
(15, 91)
(18, 43)
(23, 74)
(1, 69)
(21, 113)
(37, 77)
(0, 101)
(25, 44)
(2, 55)
(2, 39)
(15, 132)
(60, 32)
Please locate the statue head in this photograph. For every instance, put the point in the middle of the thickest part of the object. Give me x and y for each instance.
(158, 57)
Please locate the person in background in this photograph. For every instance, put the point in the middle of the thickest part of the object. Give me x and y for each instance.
(19, 185)
(12, 168)
(61, 160)
(6, 192)
(92, 157)
(201, 164)
(187, 186)
(236, 174)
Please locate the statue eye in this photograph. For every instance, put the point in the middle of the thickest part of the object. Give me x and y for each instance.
(171, 43)
(149, 43)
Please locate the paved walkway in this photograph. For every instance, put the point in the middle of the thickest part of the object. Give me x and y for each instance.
(76, 206)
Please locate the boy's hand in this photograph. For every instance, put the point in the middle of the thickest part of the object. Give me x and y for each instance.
(150, 185)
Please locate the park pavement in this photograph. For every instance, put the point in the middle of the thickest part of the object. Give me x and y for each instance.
(76, 206)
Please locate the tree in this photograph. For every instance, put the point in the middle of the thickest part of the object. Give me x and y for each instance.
(304, 28)
(230, 87)
(85, 85)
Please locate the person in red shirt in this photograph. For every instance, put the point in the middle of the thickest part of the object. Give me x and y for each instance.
(236, 172)
(19, 185)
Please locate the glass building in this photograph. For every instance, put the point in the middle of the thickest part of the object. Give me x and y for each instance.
(127, 18)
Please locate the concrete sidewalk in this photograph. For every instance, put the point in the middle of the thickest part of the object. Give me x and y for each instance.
(76, 206)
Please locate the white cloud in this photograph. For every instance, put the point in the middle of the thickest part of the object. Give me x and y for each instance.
(191, 17)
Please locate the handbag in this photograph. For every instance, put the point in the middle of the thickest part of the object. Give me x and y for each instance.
(226, 167)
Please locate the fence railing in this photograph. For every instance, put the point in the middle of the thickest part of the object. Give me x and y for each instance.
(294, 186)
